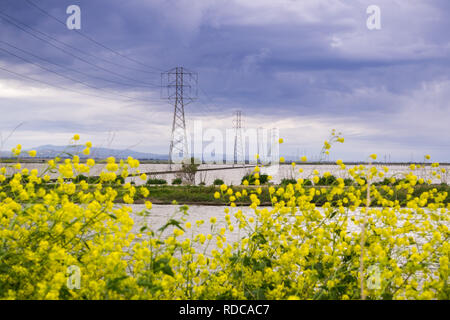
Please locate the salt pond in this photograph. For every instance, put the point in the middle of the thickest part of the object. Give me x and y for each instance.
(161, 213)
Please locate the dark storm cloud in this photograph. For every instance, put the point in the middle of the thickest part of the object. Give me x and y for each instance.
(286, 58)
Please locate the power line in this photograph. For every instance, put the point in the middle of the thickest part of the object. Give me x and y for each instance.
(16, 23)
(64, 88)
(209, 98)
(68, 68)
(59, 87)
(87, 53)
(68, 77)
(11, 20)
(50, 84)
(93, 40)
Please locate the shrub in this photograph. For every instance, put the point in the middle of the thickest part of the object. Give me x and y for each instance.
(120, 180)
(177, 181)
(286, 181)
(7, 180)
(80, 178)
(384, 182)
(218, 182)
(50, 238)
(327, 180)
(89, 180)
(189, 168)
(156, 181)
(348, 182)
(263, 178)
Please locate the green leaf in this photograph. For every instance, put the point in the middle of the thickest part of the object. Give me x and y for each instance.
(163, 266)
(171, 222)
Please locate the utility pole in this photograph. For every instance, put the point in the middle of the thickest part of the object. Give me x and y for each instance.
(181, 89)
(238, 145)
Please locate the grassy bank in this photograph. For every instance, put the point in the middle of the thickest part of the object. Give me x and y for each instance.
(204, 195)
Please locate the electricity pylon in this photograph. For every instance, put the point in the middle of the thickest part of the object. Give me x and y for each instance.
(238, 145)
(261, 137)
(181, 85)
(273, 151)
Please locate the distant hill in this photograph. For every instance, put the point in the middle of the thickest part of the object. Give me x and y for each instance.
(51, 151)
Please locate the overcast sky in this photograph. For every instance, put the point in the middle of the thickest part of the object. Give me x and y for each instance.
(304, 66)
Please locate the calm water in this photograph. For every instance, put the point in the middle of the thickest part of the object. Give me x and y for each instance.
(161, 213)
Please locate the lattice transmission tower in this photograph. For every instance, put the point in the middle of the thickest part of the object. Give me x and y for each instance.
(261, 138)
(180, 88)
(238, 144)
(273, 152)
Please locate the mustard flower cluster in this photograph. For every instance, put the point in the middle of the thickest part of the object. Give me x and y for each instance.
(362, 242)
